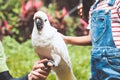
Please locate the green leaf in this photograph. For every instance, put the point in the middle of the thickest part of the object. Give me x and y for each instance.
(1, 1)
(2, 16)
(15, 10)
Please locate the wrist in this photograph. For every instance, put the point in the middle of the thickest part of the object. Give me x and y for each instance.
(67, 39)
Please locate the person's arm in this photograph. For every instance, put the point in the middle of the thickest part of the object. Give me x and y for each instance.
(3, 65)
(79, 40)
(40, 72)
(4, 71)
(40, 69)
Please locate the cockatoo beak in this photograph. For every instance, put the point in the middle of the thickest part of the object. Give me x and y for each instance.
(39, 23)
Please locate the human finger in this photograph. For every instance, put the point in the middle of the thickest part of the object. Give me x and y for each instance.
(50, 64)
(32, 77)
(42, 61)
(37, 66)
(40, 64)
(38, 75)
(43, 71)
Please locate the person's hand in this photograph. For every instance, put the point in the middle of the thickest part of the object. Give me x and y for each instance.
(80, 11)
(3, 65)
(41, 70)
(65, 38)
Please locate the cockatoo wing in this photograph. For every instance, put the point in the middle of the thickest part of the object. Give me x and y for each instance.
(61, 48)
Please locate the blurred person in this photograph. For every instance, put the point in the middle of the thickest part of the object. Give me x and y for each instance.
(104, 36)
(40, 69)
(83, 12)
(83, 9)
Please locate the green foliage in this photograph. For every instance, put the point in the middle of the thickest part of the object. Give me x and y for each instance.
(80, 57)
(50, 9)
(72, 23)
(21, 57)
(9, 10)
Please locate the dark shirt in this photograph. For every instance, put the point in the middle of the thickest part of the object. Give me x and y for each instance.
(6, 76)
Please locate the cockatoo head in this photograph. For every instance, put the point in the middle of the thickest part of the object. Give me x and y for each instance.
(40, 20)
(42, 30)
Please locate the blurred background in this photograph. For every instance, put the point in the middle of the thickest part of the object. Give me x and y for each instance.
(16, 24)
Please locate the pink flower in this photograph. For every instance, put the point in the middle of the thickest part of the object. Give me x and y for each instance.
(64, 11)
(37, 4)
(5, 23)
(28, 5)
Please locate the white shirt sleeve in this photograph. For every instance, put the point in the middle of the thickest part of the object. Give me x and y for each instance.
(88, 27)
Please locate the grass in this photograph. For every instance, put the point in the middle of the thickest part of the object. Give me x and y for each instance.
(21, 57)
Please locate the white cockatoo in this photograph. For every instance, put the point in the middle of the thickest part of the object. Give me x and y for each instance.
(48, 43)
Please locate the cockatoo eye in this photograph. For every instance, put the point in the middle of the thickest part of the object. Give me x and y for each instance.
(45, 20)
(39, 23)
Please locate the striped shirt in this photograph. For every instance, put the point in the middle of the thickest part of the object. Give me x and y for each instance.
(115, 18)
